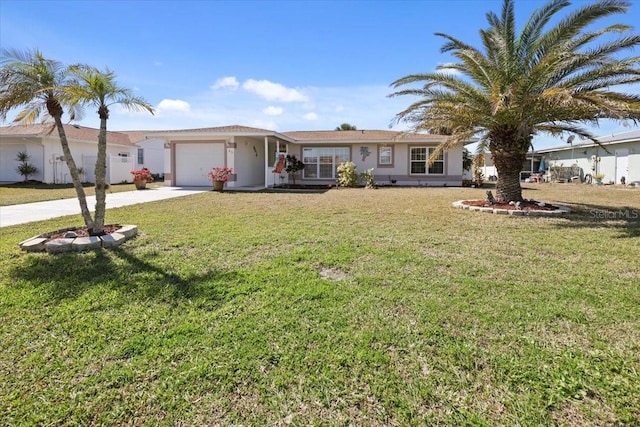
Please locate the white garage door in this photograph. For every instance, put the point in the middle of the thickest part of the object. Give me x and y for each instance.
(195, 160)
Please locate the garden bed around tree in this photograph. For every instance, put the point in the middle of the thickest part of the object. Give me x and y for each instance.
(78, 239)
(524, 208)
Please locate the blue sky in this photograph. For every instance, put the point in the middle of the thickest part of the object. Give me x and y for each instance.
(277, 65)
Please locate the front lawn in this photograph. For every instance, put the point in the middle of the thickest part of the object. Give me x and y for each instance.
(350, 307)
(19, 193)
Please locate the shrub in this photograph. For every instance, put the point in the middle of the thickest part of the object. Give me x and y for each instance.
(347, 176)
(25, 168)
(368, 178)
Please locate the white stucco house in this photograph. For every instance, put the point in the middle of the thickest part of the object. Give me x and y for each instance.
(42, 143)
(618, 157)
(396, 158)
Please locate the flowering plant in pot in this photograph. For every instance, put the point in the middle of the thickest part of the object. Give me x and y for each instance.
(141, 177)
(219, 176)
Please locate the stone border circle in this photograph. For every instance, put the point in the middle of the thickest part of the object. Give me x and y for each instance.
(42, 243)
(562, 210)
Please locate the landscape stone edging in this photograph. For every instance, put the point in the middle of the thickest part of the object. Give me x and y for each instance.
(562, 210)
(78, 244)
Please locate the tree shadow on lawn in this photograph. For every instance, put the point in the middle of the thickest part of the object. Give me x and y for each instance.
(624, 219)
(69, 276)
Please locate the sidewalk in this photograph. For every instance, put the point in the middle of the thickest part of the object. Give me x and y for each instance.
(30, 212)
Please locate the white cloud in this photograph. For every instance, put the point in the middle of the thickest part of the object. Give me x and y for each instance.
(229, 82)
(310, 116)
(173, 106)
(273, 91)
(273, 111)
(339, 108)
(263, 124)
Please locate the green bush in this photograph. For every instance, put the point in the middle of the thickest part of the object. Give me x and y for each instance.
(25, 167)
(368, 178)
(347, 175)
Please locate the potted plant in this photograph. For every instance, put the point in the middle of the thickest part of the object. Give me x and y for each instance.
(219, 176)
(141, 177)
(598, 178)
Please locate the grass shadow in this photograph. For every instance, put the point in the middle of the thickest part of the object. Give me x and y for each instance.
(69, 276)
(624, 219)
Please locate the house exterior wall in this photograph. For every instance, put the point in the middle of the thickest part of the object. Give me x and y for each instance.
(85, 155)
(366, 156)
(9, 151)
(46, 155)
(154, 155)
(248, 162)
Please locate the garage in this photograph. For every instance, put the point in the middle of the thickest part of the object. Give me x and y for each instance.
(194, 160)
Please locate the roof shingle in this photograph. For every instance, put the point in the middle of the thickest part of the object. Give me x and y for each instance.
(72, 131)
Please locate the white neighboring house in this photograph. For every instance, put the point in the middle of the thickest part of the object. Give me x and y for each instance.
(43, 146)
(150, 152)
(617, 158)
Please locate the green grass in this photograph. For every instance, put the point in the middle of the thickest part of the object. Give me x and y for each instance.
(351, 307)
(15, 194)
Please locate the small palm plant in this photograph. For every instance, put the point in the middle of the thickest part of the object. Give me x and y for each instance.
(25, 168)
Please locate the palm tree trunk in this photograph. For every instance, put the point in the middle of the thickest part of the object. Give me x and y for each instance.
(508, 166)
(75, 176)
(101, 172)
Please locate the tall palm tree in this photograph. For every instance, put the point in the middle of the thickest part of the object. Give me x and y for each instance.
(552, 80)
(89, 86)
(38, 85)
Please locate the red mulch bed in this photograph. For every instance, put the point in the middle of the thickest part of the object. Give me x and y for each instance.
(527, 205)
(80, 231)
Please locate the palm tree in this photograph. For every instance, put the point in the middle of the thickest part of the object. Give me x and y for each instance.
(553, 80)
(39, 86)
(99, 88)
(346, 126)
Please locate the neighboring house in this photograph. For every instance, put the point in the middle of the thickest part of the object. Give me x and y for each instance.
(617, 158)
(396, 157)
(150, 152)
(42, 143)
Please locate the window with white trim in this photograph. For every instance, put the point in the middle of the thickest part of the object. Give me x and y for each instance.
(321, 162)
(141, 156)
(419, 158)
(385, 156)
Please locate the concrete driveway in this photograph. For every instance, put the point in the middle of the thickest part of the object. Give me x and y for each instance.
(30, 212)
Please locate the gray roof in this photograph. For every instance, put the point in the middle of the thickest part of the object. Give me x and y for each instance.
(618, 138)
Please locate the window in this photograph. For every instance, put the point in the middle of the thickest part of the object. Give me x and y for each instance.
(385, 156)
(141, 156)
(419, 158)
(321, 163)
